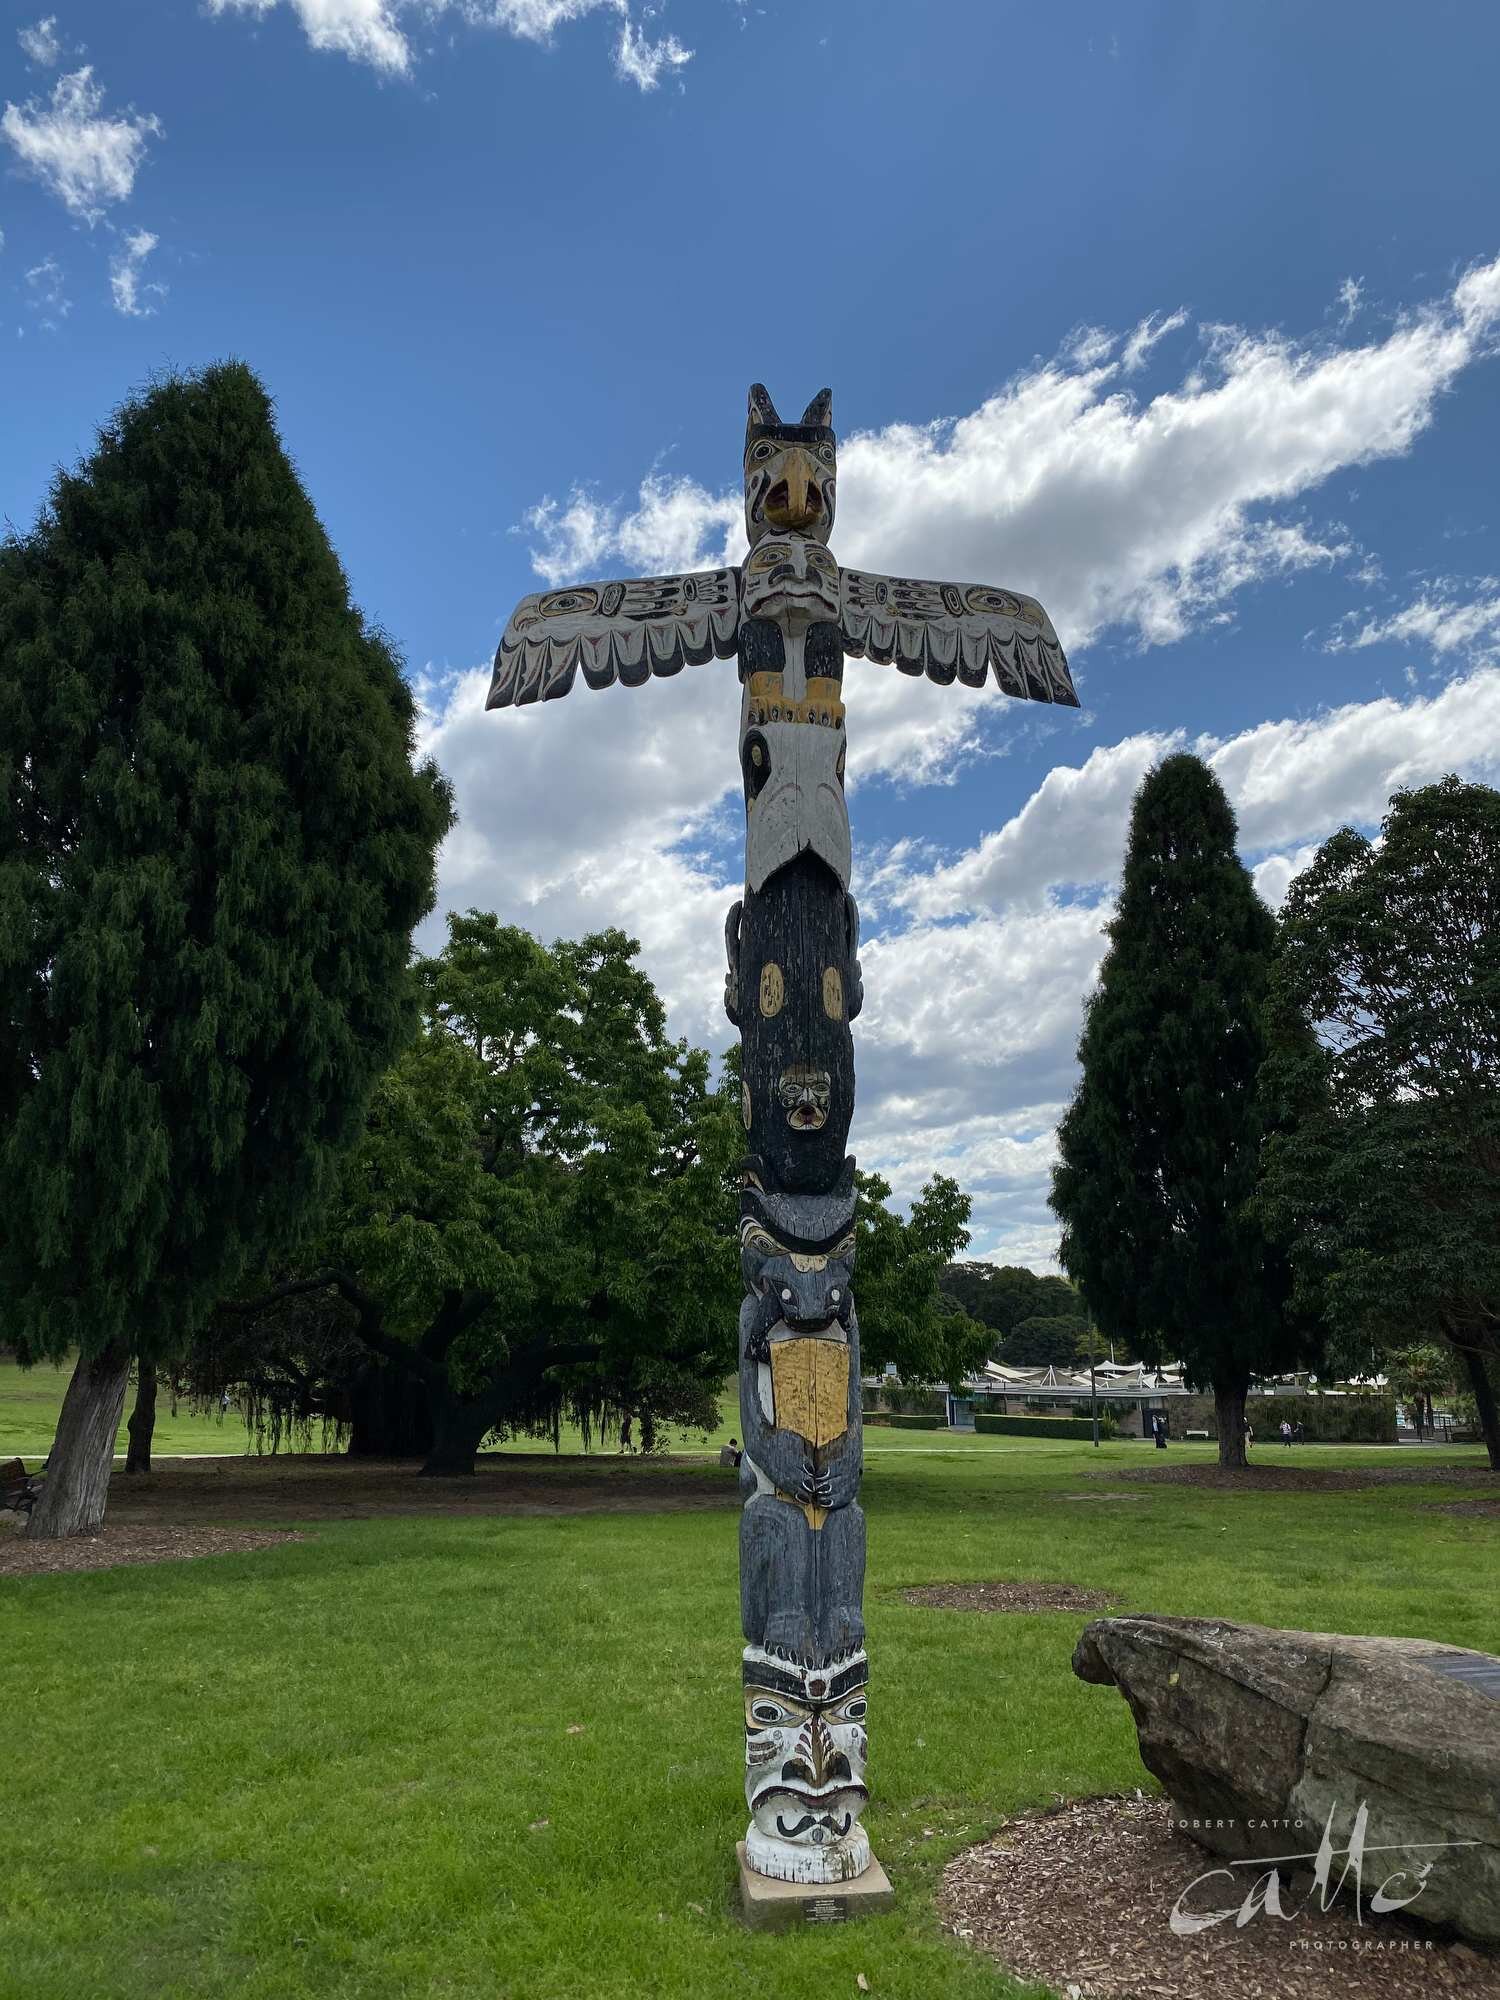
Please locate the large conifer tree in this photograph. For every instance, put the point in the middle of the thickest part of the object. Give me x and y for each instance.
(213, 848)
(1160, 1149)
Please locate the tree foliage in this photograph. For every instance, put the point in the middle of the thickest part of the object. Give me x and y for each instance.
(1160, 1149)
(1002, 1296)
(213, 848)
(1387, 1180)
(1045, 1342)
(904, 1321)
(538, 1220)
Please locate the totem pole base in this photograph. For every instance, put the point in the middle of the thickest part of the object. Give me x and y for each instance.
(769, 1905)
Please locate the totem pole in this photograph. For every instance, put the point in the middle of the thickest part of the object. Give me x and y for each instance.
(789, 614)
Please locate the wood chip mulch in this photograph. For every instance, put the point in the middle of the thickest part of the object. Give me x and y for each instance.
(1019, 1594)
(1079, 1896)
(119, 1546)
(1284, 1475)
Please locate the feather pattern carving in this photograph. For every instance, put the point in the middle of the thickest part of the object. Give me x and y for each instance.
(614, 631)
(955, 631)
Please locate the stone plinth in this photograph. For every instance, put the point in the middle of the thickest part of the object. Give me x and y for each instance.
(772, 1906)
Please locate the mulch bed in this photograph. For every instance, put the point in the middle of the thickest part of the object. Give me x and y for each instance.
(1288, 1477)
(117, 1547)
(301, 1487)
(1080, 1896)
(1488, 1510)
(1020, 1595)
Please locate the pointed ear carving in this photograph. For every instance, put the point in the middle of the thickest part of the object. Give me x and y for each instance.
(820, 409)
(762, 409)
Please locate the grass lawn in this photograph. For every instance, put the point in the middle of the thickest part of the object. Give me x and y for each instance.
(500, 1756)
(30, 1399)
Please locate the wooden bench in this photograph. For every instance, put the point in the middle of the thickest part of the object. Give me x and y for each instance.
(18, 1487)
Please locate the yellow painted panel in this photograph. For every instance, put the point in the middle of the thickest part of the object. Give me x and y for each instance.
(810, 1383)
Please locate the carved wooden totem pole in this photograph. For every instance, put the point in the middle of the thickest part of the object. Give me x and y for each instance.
(789, 615)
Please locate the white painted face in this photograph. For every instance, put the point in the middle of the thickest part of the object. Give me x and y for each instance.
(792, 581)
(805, 1756)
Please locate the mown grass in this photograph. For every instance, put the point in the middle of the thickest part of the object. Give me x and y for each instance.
(345, 1767)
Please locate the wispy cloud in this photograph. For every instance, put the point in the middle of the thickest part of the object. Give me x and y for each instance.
(40, 44)
(46, 295)
(1446, 617)
(372, 31)
(1138, 345)
(130, 296)
(641, 61)
(85, 156)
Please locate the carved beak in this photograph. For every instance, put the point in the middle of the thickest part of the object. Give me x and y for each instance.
(795, 502)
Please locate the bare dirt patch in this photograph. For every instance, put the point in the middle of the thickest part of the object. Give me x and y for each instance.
(1282, 1477)
(1080, 1897)
(1018, 1594)
(291, 1487)
(119, 1547)
(1487, 1510)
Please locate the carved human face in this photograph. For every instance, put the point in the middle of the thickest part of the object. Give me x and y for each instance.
(804, 1093)
(791, 480)
(805, 1756)
(792, 580)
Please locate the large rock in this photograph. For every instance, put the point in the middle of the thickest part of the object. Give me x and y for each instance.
(1245, 1725)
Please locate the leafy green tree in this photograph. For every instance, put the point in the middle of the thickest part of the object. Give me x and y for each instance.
(1044, 1342)
(903, 1319)
(1160, 1148)
(1417, 1374)
(1387, 1181)
(539, 1219)
(1002, 1296)
(213, 849)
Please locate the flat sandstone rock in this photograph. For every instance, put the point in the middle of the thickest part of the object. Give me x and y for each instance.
(1263, 1739)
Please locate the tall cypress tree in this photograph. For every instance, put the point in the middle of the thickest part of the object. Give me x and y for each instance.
(1160, 1149)
(214, 845)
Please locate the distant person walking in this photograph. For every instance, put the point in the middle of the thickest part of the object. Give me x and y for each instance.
(1249, 1436)
(1297, 1432)
(1286, 1432)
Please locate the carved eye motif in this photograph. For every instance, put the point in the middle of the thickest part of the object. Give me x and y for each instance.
(763, 449)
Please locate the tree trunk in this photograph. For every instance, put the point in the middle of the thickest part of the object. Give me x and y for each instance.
(142, 1419)
(391, 1414)
(1484, 1399)
(457, 1431)
(76, 1487)
(1229, 1415)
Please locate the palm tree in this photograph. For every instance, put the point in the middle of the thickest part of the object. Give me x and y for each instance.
(1414, 1373)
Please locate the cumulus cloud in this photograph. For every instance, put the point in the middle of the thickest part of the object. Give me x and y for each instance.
(40, 44)
(1139, 515)
(83, 155)
(130, 297)
(372, 31)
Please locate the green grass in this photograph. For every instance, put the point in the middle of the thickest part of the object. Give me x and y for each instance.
(30, 1399)
(324, 1769)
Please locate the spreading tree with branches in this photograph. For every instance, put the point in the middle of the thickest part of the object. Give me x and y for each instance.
(1386, 1012)
(537, 1222)
(214, 845)
(1160, 1149)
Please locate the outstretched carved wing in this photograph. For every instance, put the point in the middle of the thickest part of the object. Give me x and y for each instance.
(954, 631)
(614, 631)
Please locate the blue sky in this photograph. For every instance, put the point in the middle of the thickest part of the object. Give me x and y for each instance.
(1180, 317)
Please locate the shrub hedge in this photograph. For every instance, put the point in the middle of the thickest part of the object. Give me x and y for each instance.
(908, 1421)
(1065, 1427)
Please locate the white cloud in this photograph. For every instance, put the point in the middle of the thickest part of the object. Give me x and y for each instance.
(1445, 617)
(1137, 348)
(40, 44)
(364, 30)
(674, 525)
(372, 31)
(641, 61)
(1351, 298)
(85, 157)
(1116, 512)
(46, 294)
(130, 296)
